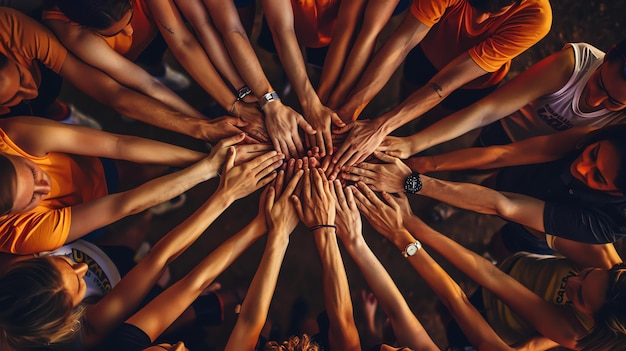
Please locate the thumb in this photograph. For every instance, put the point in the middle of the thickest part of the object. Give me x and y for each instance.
(297, 206)
(238, 122)
(336, 120)
(269, 200)
(230, 159)
(345, 128)
(384, 157)
(233, 140)
(306, 126)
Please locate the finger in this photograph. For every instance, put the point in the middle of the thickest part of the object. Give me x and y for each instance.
(291, 164)
(232, 140)
(337, 121)
(325, 165)
(384, 157)
(279, 182)
(358, 178)
(362, 203)
(269, 202)
(265, 180)
(390, 200)
(322, 139)
(297, 205)
(306, 185)
(253, 148)
(298, 144)
(230, 159)
(364, 169)
(284, 147)
(291, 147)
(267, 160)
(293, 183)
(276, 143)
(371, 195)
(306, 127)
(350, 200)
(340, 195)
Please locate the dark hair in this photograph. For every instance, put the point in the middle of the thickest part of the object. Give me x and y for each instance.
(3, 60)
(491, 5)
(617, 51)
(35, 308)
(609, 330)
(294, 343)
(616, 135)
(96, 14)
(9, 182)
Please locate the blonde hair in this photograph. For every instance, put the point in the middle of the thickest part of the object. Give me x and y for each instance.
(35, 308)
(294, 343)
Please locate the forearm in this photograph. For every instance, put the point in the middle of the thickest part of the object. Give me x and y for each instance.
(468, 196)
(343, 333)
(256, 305)
(141, 150)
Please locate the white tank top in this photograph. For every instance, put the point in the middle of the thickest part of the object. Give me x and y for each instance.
(560, 110)
(102, 275)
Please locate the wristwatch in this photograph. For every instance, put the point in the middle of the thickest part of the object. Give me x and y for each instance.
(411, 249)
(267, 98)
(413, 183)
(243, 92)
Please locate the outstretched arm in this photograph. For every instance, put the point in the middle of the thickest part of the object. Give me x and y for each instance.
(545, 77)
(317, 207)
(407, 329)
(126, 296)
(94, 214)
(279, 15)
(543, 316)
(281, 220)
(387, 219)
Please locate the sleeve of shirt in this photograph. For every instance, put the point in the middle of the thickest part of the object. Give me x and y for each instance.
(430, 12)
(128, 337)
(587, 225)
(35, 232)
(517, 34)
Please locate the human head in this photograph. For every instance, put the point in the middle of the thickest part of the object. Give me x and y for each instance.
(294, 343)
(609, 330)
(613, 135)
(491, 6)
(96, 14)
(35, 308)
(606, 87)
(24, 184)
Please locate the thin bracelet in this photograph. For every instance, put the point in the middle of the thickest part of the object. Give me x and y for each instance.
(243, 92)
(320, 226)
(231, 110)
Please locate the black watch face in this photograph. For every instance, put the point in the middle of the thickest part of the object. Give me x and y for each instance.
(413, 184)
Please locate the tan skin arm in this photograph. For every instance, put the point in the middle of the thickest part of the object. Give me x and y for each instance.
(365, 136)
(27, 131)
(95, 51)
(316, 206)
(126, 296)
(377, 14)
(128, 102)
(281, 219)
(406, 327)
(546, 318)
(116, 206)
(279, 15)
(544, 78)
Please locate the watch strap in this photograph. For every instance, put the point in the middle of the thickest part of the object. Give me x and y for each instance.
(417, 244)
(267, 98)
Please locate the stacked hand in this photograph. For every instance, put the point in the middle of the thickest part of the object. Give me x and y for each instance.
(317, 203)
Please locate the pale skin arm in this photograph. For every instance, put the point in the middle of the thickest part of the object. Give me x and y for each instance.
(280, 19)
(545, 77)
(94, 214)
(131, 103)
(94, 50)
(377, 14)
(545, 317)
(281, 220)
(316, 206)
(407, 329)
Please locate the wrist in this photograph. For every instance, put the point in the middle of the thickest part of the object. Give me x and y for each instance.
(268, 98)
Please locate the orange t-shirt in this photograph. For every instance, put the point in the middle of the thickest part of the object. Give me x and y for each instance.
(26, 42)
(314, 21)
(75, 180)
(144, 30)
(491, 44)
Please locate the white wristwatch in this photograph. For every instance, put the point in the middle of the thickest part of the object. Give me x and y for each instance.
(267, 98)
(412, 248)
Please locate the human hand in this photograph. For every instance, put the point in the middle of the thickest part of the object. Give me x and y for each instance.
(282, 124)
(396, 147)
(216, 129)
(384, 217)
(317, 203)
(321, 117)
(239, 181)
(245, 152)
(280, 214)
(348, 218)
(387, 176)
(363, 138)
(251, 114)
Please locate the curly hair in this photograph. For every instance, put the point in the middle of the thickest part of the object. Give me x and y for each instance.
(35, 308)
(96, 14)
(294, 343)
(609, 330)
